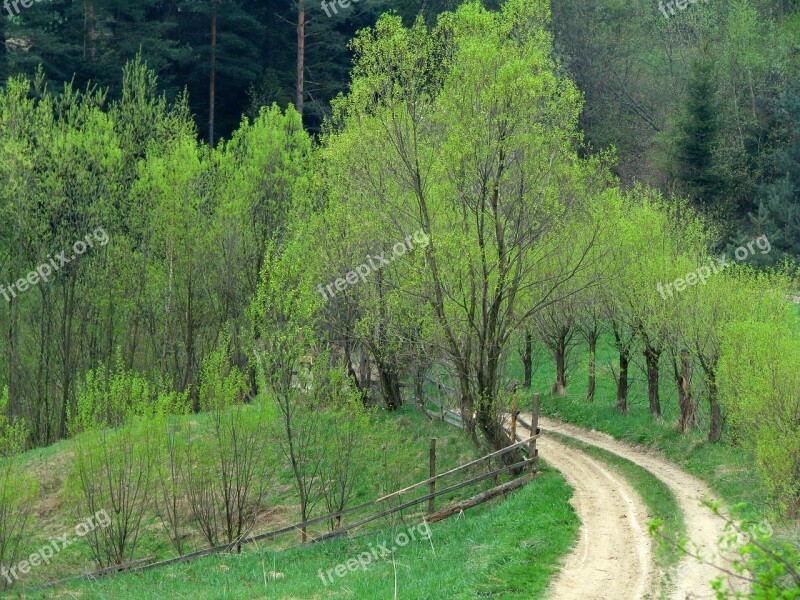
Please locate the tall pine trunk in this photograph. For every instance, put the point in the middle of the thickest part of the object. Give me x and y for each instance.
(90, 30)
(212, 87)
(301, 55)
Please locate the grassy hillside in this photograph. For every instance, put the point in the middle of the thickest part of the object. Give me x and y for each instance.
(520, 539)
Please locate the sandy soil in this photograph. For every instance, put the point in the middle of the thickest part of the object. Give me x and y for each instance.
(614, 556)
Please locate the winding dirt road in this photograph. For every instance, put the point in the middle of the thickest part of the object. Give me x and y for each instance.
(614, 556)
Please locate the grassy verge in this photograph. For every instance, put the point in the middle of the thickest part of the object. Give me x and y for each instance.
(509, 550)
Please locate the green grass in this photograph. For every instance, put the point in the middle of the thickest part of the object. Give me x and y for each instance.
(406, 452)
(725, 467)
(509, 551)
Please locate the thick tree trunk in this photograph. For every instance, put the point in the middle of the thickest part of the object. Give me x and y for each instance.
(686, 404)
(592, 367)
(622, 383)
(652, 357)
(560, 386)
(301, 55)
(527, 359)
(390, 384)
(715, 428)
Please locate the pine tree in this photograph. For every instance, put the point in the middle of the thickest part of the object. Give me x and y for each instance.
(778, 215)
(695, 167)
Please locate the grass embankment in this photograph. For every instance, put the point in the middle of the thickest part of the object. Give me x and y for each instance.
(724, 466)
(509, 548)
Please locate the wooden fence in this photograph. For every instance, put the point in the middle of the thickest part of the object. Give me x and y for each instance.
(429, 498)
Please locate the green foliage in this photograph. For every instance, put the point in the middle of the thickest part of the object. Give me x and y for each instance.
(18, 490)
(695, 166)
(759, 370)
(110, 397)
(221, 385)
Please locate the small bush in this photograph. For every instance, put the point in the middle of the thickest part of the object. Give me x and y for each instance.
(17, 492)
(118, 424)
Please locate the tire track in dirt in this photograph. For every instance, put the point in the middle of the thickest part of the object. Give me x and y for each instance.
(614, 555)
(692, 578)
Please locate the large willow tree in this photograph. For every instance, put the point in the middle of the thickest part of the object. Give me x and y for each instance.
(467, 132)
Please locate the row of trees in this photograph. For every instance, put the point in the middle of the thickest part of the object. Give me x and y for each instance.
(466, 131)
(187, 229)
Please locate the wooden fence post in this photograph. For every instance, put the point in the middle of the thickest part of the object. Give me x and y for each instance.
(432, 486)
(534, 429)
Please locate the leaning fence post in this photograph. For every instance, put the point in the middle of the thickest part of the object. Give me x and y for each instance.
(534, 430)
(432, 485)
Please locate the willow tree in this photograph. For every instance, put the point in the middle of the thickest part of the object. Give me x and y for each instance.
(468, 133)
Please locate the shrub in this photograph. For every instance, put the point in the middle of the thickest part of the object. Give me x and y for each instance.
(759, 379)
(227, 476)
(17, 492)
(118, 421)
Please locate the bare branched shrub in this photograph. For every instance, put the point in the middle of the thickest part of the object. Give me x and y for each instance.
(228, 476)
(17, 492)
(116, 452)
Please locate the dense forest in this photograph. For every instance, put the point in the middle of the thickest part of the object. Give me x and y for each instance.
(203, 202)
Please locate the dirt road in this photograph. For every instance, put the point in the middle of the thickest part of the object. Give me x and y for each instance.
(613, 558)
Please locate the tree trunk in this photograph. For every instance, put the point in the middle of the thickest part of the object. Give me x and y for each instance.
(622, 383)
(592, 367)
(527, 359)
(715, 428)
(560, 386)
(419, 383)
(212, 101)
(390, 384)
(90, 30)
(13, 360)
(301, 55)
(652, 357)
(686, 404)
(66, 363)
